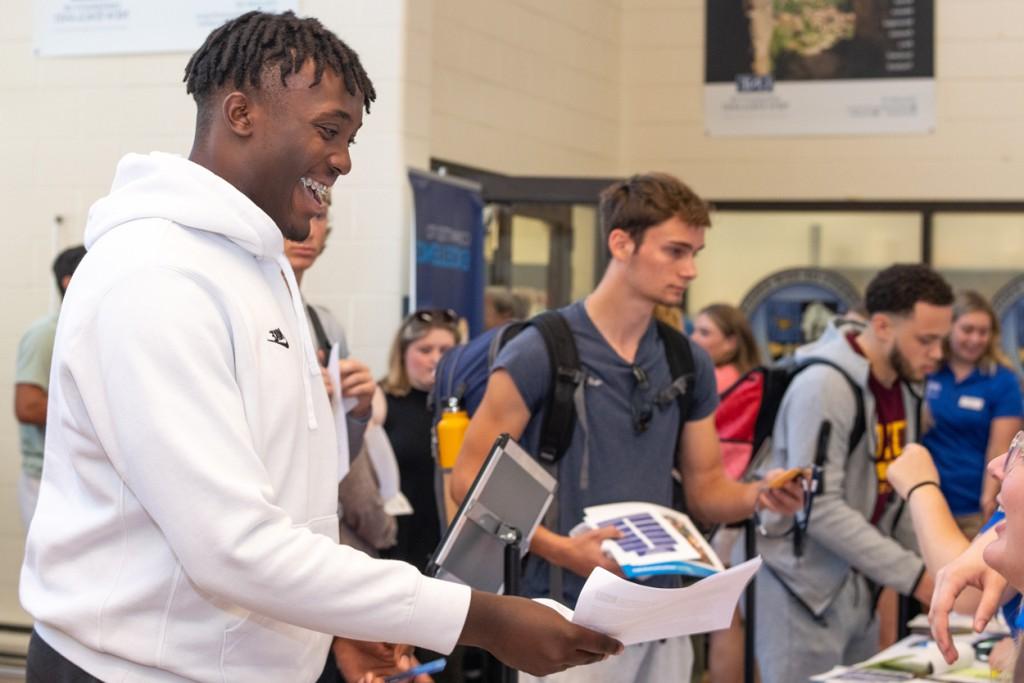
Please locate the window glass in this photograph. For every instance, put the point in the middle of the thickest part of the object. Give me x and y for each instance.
(743, 247)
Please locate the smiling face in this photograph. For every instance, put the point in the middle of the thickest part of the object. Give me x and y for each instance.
(663, 265)
(1004, 554)
(969, 339)
(301, 135)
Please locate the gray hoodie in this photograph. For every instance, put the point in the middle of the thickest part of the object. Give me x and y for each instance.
(840, 535)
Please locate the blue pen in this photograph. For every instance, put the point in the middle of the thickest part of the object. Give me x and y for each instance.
(436, 666)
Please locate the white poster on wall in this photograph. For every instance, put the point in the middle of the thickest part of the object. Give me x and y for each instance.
(65, 28)
(819, 67)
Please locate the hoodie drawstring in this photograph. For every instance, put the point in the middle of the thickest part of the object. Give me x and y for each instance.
(305, 339)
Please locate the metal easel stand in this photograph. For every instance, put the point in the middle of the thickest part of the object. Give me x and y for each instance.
(512, 538)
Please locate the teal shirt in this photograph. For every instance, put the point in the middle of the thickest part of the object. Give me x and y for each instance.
(33, 367)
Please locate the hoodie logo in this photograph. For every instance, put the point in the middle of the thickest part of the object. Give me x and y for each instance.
(277, 337)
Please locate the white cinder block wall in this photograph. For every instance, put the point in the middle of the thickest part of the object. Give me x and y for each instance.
(540, 87)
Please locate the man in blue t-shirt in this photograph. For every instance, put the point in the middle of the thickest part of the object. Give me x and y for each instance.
(624, 444)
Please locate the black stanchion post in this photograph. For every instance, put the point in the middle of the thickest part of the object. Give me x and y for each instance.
(903, 616)
(512, 538)
(750, 550)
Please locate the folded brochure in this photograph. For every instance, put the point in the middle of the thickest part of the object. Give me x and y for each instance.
(655, 540)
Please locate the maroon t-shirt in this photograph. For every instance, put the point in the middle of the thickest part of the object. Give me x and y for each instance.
(890, 431)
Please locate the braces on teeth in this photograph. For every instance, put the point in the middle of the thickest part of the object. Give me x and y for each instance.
(319, 189)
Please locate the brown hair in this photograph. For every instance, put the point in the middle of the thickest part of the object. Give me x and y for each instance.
(643, 201)
(731, 321)
(970, 301)
(416, 326)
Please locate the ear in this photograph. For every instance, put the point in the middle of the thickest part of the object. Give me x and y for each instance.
(237, 112)
(620, 244)
(882, 325)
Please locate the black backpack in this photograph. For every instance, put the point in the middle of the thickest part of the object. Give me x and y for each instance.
(762, 390)
(463, 372)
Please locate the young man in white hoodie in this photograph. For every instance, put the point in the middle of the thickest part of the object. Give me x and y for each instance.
(187, 525)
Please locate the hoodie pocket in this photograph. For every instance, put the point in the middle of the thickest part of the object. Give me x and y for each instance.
(259, 648)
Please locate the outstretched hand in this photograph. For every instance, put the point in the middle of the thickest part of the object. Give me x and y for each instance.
(967, 570)
(530, 637)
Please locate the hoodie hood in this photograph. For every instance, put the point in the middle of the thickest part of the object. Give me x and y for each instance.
(832, 345)
(169, 186)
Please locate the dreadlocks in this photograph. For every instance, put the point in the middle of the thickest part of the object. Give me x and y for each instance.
(243, 48)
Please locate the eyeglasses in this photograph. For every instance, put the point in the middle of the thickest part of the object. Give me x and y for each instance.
(1014, 454)
(640, 403)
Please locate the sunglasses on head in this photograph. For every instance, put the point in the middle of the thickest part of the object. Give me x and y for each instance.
(434, 315)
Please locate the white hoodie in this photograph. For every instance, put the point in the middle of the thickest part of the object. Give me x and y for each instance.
(187, 520)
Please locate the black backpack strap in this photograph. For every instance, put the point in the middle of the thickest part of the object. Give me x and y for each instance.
(680, 363)
(859, 422)
(322, 342)
(560, 418)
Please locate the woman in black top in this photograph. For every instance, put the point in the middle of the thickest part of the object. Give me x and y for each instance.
(421, 341)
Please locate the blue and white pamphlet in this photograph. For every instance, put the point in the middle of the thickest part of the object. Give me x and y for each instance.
(655, 540)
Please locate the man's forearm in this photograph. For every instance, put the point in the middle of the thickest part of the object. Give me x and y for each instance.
(546, 544)
(721, 500)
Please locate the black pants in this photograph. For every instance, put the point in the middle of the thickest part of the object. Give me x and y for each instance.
(46, 665)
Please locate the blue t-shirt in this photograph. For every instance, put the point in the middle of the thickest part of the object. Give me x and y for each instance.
(963, 412)
(618, 464)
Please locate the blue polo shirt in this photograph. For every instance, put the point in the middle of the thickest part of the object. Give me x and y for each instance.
(962, 413)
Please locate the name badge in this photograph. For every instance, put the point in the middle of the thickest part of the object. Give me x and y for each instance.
(971, 403)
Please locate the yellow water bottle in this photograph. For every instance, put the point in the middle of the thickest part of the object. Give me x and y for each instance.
(451, 430)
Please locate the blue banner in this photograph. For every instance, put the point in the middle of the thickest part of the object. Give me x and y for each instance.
(448, 246)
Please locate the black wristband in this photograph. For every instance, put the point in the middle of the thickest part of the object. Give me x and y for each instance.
(919, 485)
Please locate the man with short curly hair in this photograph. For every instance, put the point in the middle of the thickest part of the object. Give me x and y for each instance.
(822, 601)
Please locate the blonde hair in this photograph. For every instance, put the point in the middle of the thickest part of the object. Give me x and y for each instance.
(416, 326)
(670, 315)
(970, 301)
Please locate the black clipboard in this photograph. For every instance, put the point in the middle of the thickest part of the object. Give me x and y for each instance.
(511, 492)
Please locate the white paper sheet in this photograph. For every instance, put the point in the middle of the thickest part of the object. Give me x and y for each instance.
(385, 465)
(633, 613)
(340, 412)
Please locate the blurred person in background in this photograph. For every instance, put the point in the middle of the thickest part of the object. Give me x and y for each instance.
(422, 339)
(502, 305)
(424, 336)
(974, 402)
(723, 331)
(31, 384)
